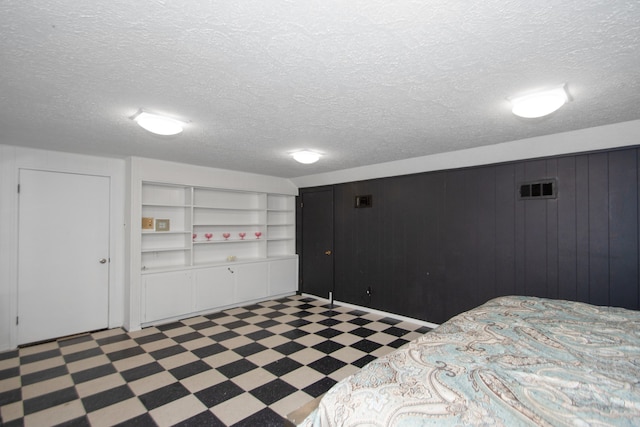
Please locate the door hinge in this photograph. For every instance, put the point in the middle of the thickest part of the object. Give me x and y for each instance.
(18, 188)
(302, 204)
(17, 319)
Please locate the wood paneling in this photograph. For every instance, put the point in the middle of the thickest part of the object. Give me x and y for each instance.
(552, 232)
(623, 228)
(486, 233)
(567, 235)
(438, 243)
(582, 227)
(505, 220)
(358, 246)
(598, 208)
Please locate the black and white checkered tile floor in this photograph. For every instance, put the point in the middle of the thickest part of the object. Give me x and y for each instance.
(247, 366)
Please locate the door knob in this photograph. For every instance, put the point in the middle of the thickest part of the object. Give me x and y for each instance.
(102, 260)
(327, 252)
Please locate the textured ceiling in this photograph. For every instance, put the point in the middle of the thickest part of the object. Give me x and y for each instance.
(363, 82)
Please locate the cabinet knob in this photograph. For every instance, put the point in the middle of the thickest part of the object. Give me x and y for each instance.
(102, 260)
(327, 252)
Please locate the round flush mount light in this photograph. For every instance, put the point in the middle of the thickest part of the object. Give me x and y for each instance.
(158, 124)
(307, 157)
(539, 104)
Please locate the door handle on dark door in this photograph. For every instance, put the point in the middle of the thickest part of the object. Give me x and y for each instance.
(327, 252)
(102, 260)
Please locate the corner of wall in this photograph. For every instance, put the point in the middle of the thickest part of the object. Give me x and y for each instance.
(8, 242)
(132, 265)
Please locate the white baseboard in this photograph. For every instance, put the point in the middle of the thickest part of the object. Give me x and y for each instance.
(378, 312)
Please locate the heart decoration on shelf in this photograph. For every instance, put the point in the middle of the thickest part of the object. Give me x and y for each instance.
(258, 234)
(226, 236)
(194, 236)
(208, 235)
(242, 235)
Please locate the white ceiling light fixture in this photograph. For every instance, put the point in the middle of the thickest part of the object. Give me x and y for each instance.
(306, 157)
(539, 104)
(158, 124)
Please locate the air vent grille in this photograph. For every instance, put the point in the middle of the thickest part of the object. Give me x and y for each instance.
(364, 201)
(543, 189)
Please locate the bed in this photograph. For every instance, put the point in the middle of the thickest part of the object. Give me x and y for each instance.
(514, 361)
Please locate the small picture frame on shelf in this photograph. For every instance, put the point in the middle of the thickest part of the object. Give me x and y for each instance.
(147, 223)
(162, 225)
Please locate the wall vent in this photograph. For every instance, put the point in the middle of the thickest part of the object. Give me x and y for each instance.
(364, 201)
(543, 189)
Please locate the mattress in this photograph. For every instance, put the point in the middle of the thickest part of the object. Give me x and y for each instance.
(514, 361)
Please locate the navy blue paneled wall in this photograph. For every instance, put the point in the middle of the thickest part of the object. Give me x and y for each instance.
(438, 243)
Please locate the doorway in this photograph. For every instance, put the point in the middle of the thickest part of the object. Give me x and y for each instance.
(316, 269)
(63, 254)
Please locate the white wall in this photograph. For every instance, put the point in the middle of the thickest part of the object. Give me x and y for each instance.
(184, 174)
(12, 159)
(123, 299)
(583, 140)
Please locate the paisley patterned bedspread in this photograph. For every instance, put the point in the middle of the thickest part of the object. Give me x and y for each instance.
(514, 361)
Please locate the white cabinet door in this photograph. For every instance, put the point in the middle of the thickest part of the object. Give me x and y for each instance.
(251, 281)
(166, 295)
(283, 276)
(213, 287)
(180, 293)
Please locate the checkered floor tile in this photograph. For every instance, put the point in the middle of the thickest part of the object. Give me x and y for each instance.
(245, 366)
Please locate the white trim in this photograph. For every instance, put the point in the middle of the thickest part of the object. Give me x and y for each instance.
(374, 311)
(579, 141)
(215, 310)
(161, 171)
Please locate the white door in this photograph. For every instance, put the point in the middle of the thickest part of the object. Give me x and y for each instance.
(63, 254)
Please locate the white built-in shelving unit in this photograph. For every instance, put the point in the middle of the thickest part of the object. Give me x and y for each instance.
(243, 226)
(221, 247)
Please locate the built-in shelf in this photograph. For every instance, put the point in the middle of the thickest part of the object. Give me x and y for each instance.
(190, 210)
(213, 242)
